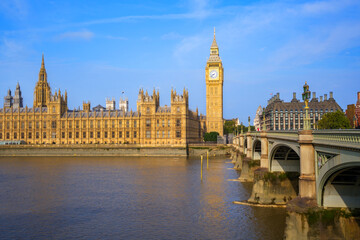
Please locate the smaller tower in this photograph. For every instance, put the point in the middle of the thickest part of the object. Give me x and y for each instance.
(8, 100)
(18, 100)
(86, 106)
(124, 104)
(110, 104)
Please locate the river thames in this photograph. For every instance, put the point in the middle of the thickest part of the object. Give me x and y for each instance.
(128, 198)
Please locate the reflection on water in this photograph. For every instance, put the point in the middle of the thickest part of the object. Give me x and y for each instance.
(128, 198)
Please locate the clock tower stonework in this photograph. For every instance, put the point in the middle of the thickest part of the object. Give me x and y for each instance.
(214, 77)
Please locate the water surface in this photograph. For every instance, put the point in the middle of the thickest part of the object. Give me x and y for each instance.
(128, 198)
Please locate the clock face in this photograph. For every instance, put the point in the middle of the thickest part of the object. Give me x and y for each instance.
(213, 74)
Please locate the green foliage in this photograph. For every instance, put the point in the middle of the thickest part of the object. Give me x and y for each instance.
(229, 127)
(334, 120)
(325, 216)
(211, 136)
(253, 163)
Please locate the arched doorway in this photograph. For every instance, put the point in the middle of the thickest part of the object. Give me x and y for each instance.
(245, 145)
(285, 159)
(342, 188)
(256, 150)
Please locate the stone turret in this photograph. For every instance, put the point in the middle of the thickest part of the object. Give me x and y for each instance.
(18, 100)
(42, 90)
(8, 100)
(124, 104)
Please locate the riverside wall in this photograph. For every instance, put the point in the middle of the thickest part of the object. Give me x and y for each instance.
(112, 150)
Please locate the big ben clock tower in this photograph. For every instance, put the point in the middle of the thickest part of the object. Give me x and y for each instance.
(214, 77)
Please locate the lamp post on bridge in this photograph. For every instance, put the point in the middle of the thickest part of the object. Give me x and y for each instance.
(307, 177)
(249, 129)
(306, 97)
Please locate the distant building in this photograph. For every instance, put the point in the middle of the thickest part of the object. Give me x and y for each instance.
(258, 119)
(280, 115)
(353, 113)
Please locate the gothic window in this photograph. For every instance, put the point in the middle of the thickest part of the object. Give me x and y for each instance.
(98, 124)
(163, 123)
(157, 123)
(105, 134)
(84, 134)
(148, 134)
(15, 135)
(169, 123)
(157, 134)
(91, 124)
(91, 134)
(168, 134)
(70, 134)
(178, 134)
(0, 125)
(22, 135)
(98, 135)
(178, 109)
(135, 123)
(0, 135)
(53, 124)
(70, 124)
(113, 134)
(44, 126)
(113, 123)
(84, 123)
(76, 134)
(120, 123)
(163, 134)
(37, 125)
(53, 109)
(7, 135)
(77, 124)
(30, 135)
(127, 134)
(106, 123)
(147, 109)
(37, 135)
(44, 134)
(120, 134)
(127, 123)
(148, 123)
(178, 122)
(15, 125)
(135, 134)
(63, 135)
(7, 125)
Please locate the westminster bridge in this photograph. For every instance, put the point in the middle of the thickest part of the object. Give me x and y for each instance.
(328, 161)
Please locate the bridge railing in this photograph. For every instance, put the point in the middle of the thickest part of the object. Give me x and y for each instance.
(344, 137)
(288, 135)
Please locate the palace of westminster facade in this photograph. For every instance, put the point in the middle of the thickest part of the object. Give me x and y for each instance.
(50, 121)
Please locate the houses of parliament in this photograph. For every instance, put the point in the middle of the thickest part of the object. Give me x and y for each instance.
(50, 121)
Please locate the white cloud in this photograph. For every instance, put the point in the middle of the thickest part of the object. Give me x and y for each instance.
(320, 7)
(17, 9)
(171, 36)
(80, 35)
(11, 48)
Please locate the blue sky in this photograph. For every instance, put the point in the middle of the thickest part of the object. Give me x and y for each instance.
(97, 49)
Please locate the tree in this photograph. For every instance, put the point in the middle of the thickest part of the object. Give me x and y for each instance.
(334, 120)
(229, 127)
(211, 136)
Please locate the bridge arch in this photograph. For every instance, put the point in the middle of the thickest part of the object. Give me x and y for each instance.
(340, 186)
(284, 158)
(256, 149)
